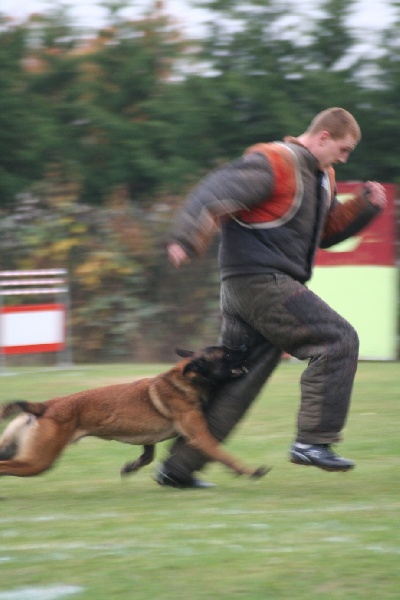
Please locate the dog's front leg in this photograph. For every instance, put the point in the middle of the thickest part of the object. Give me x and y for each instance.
(144, 459)
(193, 427)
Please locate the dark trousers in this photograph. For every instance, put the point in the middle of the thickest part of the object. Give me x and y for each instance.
(273, 313)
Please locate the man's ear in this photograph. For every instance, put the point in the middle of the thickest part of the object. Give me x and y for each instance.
(324, 136)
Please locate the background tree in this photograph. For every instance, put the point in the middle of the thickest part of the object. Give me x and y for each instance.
(25, 129)
(332, 40)
(98, 89)
(380, 109)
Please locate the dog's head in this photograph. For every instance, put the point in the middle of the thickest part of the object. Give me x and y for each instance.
(215, 363)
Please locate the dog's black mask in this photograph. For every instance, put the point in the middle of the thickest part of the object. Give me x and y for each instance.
(216, 363)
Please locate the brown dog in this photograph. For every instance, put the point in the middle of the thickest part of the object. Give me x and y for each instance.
(144, 412)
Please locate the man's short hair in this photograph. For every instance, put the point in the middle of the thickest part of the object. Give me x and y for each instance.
(338, 122)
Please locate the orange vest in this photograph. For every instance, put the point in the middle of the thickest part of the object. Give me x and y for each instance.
(282, 203)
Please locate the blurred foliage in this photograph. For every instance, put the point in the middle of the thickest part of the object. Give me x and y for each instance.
(127, 301)
(102, 133)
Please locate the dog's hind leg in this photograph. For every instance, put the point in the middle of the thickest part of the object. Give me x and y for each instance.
(9, 441)
(38, 443)
(9, 450)
(144, 459)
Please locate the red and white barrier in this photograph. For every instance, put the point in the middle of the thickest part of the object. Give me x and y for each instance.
(34, 328)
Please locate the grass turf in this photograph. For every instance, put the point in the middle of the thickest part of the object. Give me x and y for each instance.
(79, 531)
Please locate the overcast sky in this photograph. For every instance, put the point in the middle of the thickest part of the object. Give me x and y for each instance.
(369, 14)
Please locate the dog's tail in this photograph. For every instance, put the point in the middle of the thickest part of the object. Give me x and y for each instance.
(34, 408)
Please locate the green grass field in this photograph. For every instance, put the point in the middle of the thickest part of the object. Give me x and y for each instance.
(81, 532)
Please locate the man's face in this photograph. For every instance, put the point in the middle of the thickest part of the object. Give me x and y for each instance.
(333, 151)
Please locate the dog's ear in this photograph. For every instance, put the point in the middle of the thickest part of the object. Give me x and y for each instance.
(184, 353)
(198, 365)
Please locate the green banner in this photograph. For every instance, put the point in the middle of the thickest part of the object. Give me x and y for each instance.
(366, 297)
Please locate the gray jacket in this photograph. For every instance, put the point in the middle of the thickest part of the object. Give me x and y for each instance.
(274, 207)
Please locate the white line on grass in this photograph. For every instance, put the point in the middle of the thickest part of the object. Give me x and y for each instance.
(303, 511)
(217, 511)
(41, 593)
(45, 518)
(66, 551)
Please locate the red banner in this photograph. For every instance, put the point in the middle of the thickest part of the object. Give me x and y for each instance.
(374, 245)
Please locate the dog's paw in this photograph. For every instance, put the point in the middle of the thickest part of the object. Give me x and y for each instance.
(129, 467)
(260, 472)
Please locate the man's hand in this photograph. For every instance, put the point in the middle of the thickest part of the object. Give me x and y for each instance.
(177, 255)
(375, 193)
